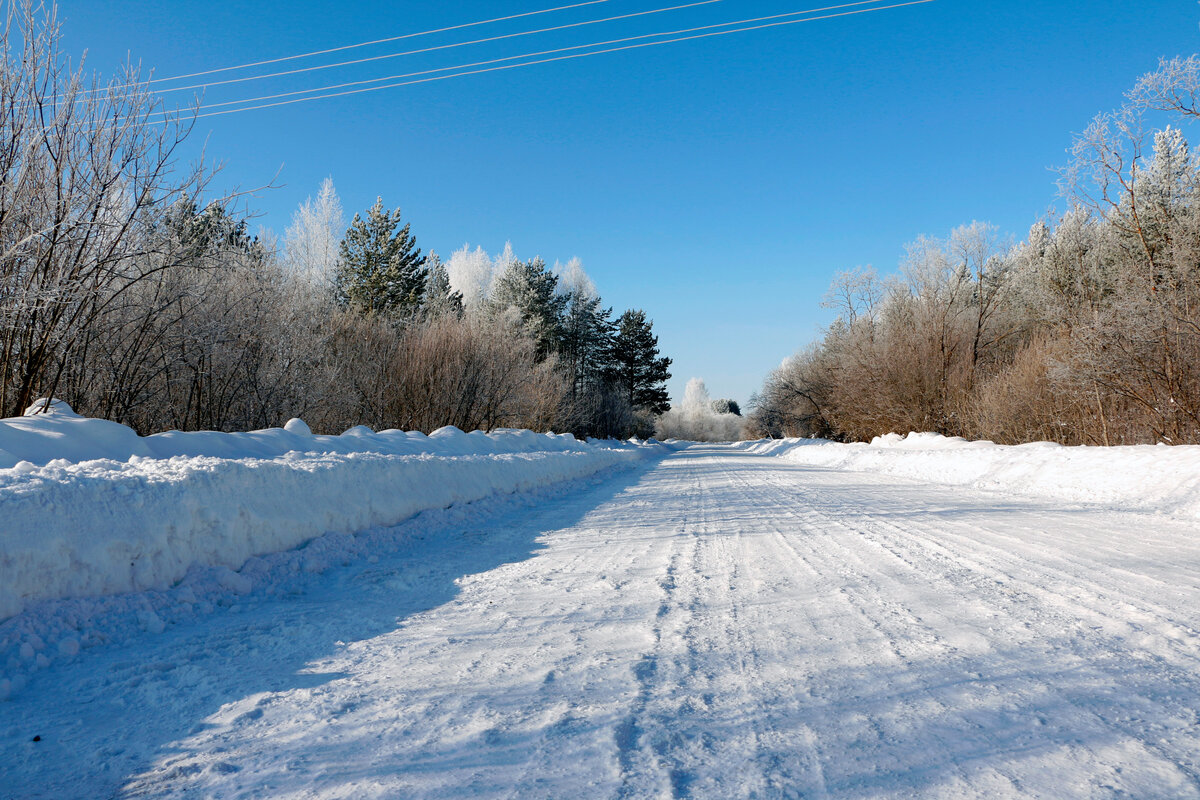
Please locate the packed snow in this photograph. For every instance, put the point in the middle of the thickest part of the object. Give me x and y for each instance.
(917, 617)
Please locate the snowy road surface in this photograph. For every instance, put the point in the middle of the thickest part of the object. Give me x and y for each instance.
(715, 624)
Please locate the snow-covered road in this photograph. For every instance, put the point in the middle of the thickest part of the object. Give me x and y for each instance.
(714, 624)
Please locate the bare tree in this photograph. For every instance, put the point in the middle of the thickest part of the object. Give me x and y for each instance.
(1174, 86)
(85, 168)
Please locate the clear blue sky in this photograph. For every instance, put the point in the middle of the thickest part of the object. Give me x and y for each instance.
(718, 184)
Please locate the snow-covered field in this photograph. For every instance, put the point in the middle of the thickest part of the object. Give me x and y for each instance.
(754, 620)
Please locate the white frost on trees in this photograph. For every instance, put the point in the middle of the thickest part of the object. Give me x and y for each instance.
(696, 420)
(470, 275)
(312, 239)
(474, 273)
(573, 280)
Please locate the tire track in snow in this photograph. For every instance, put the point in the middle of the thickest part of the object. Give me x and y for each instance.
(892, 638)
(710, 713)
(866, 532)
(639, 753)
(697, 728)
(1097, 648)
(1056, 611)
(722, 625)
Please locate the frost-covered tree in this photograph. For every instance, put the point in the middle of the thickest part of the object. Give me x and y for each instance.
(527, 291)
(635, 365)
(379, 267)
(978, 251)
(87, 170)
(1165, 189)
(312, 241)
(573, 279)
(697, 418)
(1174, 87)
(1084, 333)
(586, 330)
(470, 274)
(726, 406)
(439, 298)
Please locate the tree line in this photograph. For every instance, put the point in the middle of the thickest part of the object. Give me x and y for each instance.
(1085, 332)
(127, 295)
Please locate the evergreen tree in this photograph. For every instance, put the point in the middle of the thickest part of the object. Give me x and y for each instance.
(380, 269)
(527, 288)
(635, 365)
(585, 340)
(440, 299)
(205, 234)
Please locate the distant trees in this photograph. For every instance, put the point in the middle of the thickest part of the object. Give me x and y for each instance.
(583, 355)
(220, 339)
(222, 333)
(439, 298)
(487, 342)
(585, 332)
(470, 273)
(1088, 331)
(725, 406)
(562, 313)
(527, 291)
(700, 419)
(131, 296)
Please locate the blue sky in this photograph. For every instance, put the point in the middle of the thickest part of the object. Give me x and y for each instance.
(718, 184)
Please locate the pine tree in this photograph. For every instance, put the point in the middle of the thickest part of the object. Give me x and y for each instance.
(380, 269)
(209, 231)
(636, 366)
(439, 299)
(586, 340)
(527, 288)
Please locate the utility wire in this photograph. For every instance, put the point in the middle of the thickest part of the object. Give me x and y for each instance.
(473, 67)
(433, 48)
(563, 58)
(376, 41)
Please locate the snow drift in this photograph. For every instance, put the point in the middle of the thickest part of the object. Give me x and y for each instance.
(1147, 478)
(88, 507)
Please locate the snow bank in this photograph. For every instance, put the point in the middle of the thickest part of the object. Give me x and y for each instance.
(39, 438)
(1148, 478)
(88, 507)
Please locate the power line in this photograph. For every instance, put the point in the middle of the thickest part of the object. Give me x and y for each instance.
(376, 41)
(167, 115)
(433, 48)
(563, 58)
(749, 23)
(534, 54)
